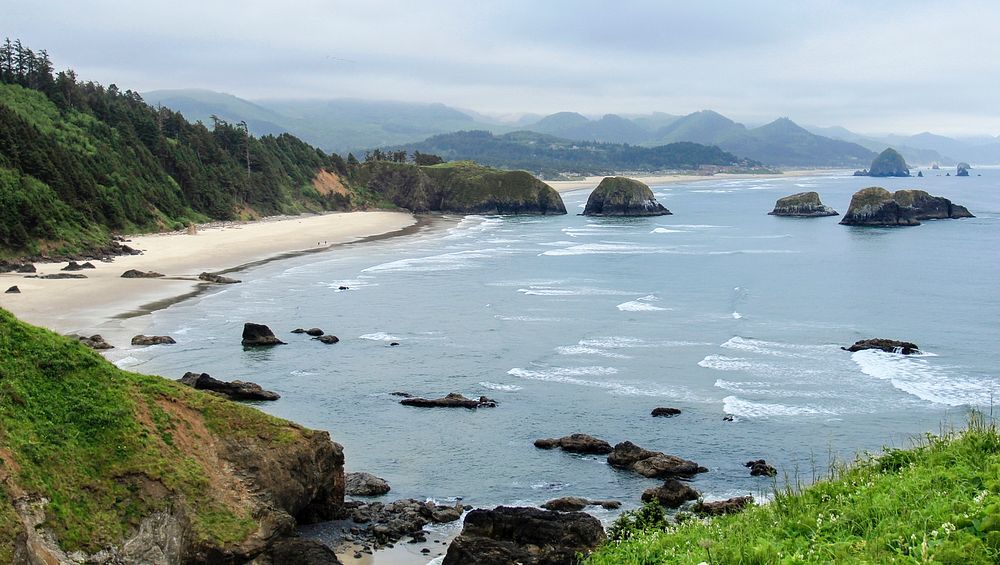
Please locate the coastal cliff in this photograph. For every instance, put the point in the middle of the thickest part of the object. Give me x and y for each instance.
(620, 196)
(98, 464)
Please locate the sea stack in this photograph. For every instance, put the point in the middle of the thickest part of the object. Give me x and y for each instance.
(876, 206)
(802, 205)
(620, 196)
(889, 163)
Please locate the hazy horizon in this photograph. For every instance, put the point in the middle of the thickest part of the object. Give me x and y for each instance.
(899, 67)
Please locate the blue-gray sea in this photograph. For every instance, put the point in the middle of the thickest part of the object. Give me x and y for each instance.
(577, 324)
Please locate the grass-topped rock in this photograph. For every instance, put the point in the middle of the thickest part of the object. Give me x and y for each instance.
(888, 163)
(461, 187)
(620, 196)
(802, 205)
(876, 206)
(129, 468)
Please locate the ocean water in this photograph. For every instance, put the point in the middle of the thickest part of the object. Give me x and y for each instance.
(579, 324)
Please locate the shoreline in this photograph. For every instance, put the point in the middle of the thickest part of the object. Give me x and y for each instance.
(563, 186)
(107, 304)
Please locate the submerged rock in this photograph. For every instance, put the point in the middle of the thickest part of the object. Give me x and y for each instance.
(259, 334)
(887, 345)
(671, 494)
(95, 342)
(803, 205)
(718, 508)
(234, 390)
(528, 536)
(876, 206)
(665, 412)
(652, 464)
(760, 468)
(136, 274)
(218, 279)
(620, 196)
(366, 484)
(576, 443)
(452, 400)
(153, 340)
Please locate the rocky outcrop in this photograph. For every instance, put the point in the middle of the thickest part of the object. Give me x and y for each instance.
(576, 443)
(388, 522)
(74, 266)
(620, 196)
(887, 345)
(136, 274)
(313, 332)
(12, 290)
(217, 279)
(366, 484)
(153, 340)
(665, 412)
(55, 276)
(802, 205)
(327, 339)
(652, 464)
(876, 206)
(760, 468)
(671, 494)
(8, 267)
(452, 400)
(259, 334)
(576, 504)
(233, 390)
(95, 341)
(718, 508)
(528, 536)
(299, 551)
(888, 163)
(962, 170)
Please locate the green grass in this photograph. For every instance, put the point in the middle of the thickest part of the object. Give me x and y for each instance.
(936, 503)
(101, 444)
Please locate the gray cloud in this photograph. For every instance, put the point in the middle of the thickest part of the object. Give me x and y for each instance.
(896, 65)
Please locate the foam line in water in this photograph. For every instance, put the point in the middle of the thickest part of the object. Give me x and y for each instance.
(584, 350)
(454, 261)
(748, 409)
(775, 348)
(920, 378)
(546, 290)
(500, 387)
(639, 306)
(723, 363)
(378, 336)
(570, 376)
(666, 230)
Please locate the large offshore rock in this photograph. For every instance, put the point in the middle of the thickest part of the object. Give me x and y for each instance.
(576, 443)
(876, 206)
(620, 196)
(802, 205)
(652, 464)
(259, 334)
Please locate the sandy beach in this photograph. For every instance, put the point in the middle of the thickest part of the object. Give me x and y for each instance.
(592, 182)
(104, 302)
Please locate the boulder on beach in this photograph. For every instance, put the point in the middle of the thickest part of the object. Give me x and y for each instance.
(665, 412)
(652, 464)
(8, 267)
(259, 334)
(876, 206)
(233, 390)
(887, 345)
(528, 536)
(365, 484)
(327, 339)
(13, 290)
(95, 342)
(576, 504)
(153, 340)
(452, 400)
(26, 268)
(760, 468)
(54, 276)
(74, 266)
(802, 205)
(671, 494)
(136, 274)
(218, 279)
(576, 443)
(720, 507)
(621, 196)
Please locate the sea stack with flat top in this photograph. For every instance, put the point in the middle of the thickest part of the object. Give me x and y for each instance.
(876, 206)
(620, 196)
(802, 205)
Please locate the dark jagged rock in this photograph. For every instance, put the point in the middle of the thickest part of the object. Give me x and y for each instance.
(55, 276)
(153, 340)
(327, 339)
(760, 468)
(665, 412)
(26, 268)
(13, 290)
(920, 174)
(366, 484)
(576, 503)
(386, 523)
(528, 536)
(887, 345)
(576, 443)
(259, 334)
(876, 206)
(315, 332)
(74, 266)
(342, 287)
(218, 279)
(718, 508)
(234, 390)
(652, 464)
(962, 170)
(136, 274)
(95, 342)
(298, 331)
(802, 205)
(299, 551)
(888, 163)
(927, 207)
(452, 400)
(671, 494)
(393, 343)
(402, 394)
(6, 267)
(620, 196)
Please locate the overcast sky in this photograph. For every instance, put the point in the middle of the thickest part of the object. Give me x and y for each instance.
(872, 66)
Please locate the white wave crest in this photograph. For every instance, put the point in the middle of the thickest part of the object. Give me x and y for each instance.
(723, 363)
(920, 378)
(584, 350)
(639, 306)
(378, 336)
(500, 387)
(748, 409)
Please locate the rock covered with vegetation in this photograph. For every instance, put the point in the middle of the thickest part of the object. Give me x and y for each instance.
(620, 196)
(118, 467)
(876, 206)
(803, 204)
(888, 163)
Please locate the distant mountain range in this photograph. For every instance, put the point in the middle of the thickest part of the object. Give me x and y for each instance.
(344, 125)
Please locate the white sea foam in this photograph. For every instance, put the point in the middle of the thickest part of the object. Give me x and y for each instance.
(624, 342)
(584, 350)
(453, 261)
(723, 363)
(774, 348)
(546, 290)
(500, 387)
(301, 373)
(606, 249)
(920, 378)
(571, 376)
(127, 361)
(557, 243)
(666, 230)
(639, 306)
(556, 373)
(748, 409)
(378, 336)
(526, 318)
(737, 315)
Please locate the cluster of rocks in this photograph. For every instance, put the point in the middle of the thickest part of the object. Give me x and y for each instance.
(760, 468)
(74, 266)
(318, 335)
(876, 206)
(382, 523)
(451, 400)
(233, 390)
(144, 340)
(95, 341)
(652, 464)
(887, 345)
(8, 267)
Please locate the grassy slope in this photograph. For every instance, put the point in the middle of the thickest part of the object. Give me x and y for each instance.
(936, 503)
(107, 447)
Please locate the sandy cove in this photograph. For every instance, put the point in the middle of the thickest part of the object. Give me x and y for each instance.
(592, 182)
(103, 302)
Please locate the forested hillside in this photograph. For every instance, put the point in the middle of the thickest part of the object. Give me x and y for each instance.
(79, 161)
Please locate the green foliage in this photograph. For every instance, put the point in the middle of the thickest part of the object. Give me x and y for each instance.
(936, 503)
